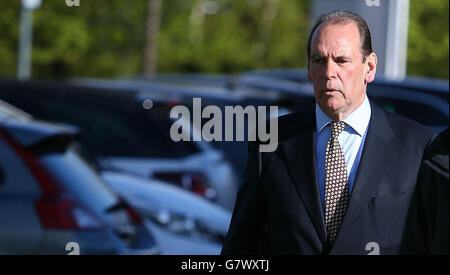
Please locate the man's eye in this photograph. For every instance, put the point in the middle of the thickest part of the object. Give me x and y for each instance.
(341, 61)
(319, 60)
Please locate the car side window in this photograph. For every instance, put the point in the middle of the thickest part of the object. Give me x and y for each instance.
(112, 131)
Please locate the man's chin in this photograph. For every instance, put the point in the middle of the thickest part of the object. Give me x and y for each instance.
(331, 109)
(332, 105)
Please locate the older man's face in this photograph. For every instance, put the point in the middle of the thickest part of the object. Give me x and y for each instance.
(336, 69)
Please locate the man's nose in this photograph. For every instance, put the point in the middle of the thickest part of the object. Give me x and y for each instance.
(330, 69)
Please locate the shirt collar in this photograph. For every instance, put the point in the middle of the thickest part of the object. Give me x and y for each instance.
(358, 119)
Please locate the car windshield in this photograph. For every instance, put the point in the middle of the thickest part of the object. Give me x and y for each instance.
(80, 178)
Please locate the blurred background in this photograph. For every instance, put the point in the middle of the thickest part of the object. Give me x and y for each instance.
(110, 38)
(87, 164)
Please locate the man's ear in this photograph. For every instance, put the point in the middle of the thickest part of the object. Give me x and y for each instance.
(371, 68)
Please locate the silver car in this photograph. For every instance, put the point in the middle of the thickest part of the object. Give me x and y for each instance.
(181, 222)
(52, 202)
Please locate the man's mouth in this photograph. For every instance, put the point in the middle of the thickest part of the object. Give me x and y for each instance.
(331, 90)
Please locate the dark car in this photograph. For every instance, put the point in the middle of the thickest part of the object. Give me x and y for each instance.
(217, 90)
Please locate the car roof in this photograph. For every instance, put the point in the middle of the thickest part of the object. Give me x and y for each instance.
(269, 83)
(164, 88)
(415, 82)
(31, 132)
(217, 80)
(8, 111)
(409, 95)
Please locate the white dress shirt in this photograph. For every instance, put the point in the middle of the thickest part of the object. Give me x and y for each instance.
(351, 140)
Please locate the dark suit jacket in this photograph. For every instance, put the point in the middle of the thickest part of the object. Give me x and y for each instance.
(279, 211)
(428, 219)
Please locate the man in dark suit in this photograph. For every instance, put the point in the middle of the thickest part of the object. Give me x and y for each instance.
(341, 178)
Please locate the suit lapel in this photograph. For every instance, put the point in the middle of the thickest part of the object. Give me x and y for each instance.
(301, 164)
(377, 155)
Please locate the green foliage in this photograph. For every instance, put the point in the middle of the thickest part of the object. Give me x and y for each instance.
(99, 38)
(235, 38)
(106, 38)
(9, 33)
(428, 44)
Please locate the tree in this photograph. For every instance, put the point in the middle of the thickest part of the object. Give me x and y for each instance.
(428, 40)
(107, 38)
(151, 49)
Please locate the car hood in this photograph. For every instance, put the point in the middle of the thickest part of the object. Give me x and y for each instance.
(145, 166)
(154, 195)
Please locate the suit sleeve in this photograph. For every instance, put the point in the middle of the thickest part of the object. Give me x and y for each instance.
(248, 220)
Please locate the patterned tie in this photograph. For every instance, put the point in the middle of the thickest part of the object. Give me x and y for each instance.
(336, 183)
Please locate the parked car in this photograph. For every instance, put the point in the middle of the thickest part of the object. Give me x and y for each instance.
(435, 87)
(244, 90)
(125, 136)
(51, 200)
(424, 108)
(212, 91)
(181, 222)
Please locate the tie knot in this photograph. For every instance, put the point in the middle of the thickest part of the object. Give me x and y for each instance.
(336, 128)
